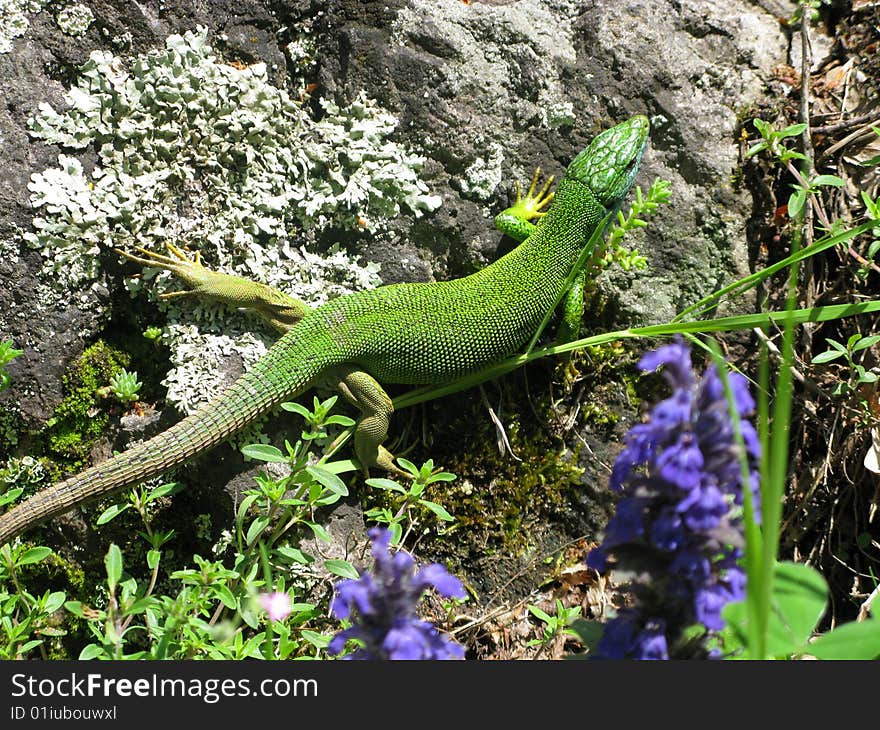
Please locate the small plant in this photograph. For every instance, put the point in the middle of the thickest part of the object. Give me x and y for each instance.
(644, 205)
(856, 343)
(7, 354)
(412, 498)
(125, 386)
(26, 621)
(772, 141)
(319, 418)
(554, 626)
(872, 212)
(250, 599)
(154, 334)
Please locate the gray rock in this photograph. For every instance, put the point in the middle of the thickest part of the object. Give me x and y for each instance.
(485, 91)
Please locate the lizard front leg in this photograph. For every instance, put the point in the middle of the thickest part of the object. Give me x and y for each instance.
(363, 391)
(275, 307)
(515, 221)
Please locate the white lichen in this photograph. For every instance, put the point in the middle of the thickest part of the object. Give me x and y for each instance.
(214, 157)
(484, 174)
(14, 21)
(557, 112)
(25, 472)
(75, 19)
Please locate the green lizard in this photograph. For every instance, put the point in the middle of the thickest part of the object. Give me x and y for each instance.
(419, 333)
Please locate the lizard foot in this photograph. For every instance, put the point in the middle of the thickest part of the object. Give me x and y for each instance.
(200, 279)
(515, 221)
(385, 460)
(533, 204)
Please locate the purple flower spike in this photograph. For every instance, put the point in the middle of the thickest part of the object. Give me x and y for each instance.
(384, 605)
(681, 496)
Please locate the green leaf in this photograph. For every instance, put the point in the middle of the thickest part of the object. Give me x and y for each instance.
(792, 131)
(91, 651)
(832, 180)
(342, 568)
(315, 639)
(320, 532)
(535, 611)
(245, 505)
(34, 555)
(75, 607)
(849, 641)
(297, 408)
(225, 595)
(256, 529)
(796, 202)
(763, 127)
(54, 601)
(866, 342)
(153, 557)
(756, 148)
(112, 511)
(329, 480)
(139, 605)
(387, 484)
(295, 554)
(263, 452)
(827, 356)
(339, 467)
(438, 510)
(113, 563)
(800, 595)
(10, 496)
(33, 644)
(163, 490)
(408, 466)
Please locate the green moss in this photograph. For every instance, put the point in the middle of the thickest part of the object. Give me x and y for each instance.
(501, 503)
(79, 420)
(497, 500)
(10, 433)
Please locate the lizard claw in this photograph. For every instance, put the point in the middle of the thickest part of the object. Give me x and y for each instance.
(533, 204)
(189, 270)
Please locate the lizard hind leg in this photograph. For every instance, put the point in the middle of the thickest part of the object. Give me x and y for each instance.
(363, 391)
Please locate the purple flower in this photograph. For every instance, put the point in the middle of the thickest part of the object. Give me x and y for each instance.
(276, 604)
(383, 606)
(678, 519)
(628, 637)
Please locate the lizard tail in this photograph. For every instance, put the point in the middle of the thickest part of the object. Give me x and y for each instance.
(288, 368)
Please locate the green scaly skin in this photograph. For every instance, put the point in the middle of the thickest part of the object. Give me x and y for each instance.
(422, 333)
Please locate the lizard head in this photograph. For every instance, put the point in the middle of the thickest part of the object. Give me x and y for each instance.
(609, 165)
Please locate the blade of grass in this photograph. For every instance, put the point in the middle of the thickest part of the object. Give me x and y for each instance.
(751, 530)
(743, 285)
(721, 324)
